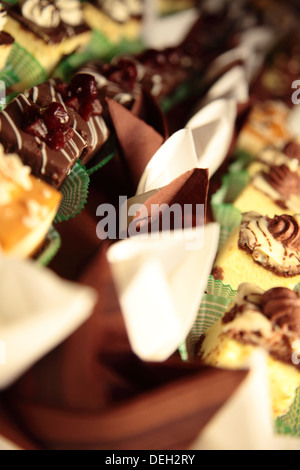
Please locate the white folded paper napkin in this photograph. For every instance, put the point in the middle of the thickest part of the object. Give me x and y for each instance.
(204, 143)
(245, 421)
(254, 45)
(233, 85)
(38, 311)
(160, 283)
(161, 32)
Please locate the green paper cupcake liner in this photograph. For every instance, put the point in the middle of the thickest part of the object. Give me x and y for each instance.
(93, 169)
(75, 193)
(22, 68)
(228, 216)
(213, 306)
(51, 248)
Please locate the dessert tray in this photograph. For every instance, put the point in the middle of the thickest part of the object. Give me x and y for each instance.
(149, 225)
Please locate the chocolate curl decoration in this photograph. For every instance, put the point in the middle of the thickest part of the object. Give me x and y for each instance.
(189, 191)
(138, 141)
(92, 392)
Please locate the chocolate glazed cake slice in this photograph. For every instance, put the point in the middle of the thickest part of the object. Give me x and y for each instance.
(80, 98)
(45, 138)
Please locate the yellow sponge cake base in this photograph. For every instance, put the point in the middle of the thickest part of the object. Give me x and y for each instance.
(219, 350)
(237, 267)
(48, 55)
(114, 31)
(251, 199)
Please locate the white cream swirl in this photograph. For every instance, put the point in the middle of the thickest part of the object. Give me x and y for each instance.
(49, 14)
(3, 16)
(121, 10)
(256, 237)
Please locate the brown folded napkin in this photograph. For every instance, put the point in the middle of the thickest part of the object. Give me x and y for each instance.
(92, 392)
(138, 140)
(188, 191)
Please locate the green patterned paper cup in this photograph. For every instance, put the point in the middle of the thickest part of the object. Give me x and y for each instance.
(22, 69)
(228, 216)
(75, 193)
(51, 248)
(214, 304)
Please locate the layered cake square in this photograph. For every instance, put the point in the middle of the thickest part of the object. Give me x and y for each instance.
(259, 319)
(263, 250)
(27, 208)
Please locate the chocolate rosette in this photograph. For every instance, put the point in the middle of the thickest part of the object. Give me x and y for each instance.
(282, 307)
(283, 180)
(285, 229)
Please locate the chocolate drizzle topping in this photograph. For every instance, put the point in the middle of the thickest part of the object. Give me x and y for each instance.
(286, 230)
(283, 180)
(282, 307)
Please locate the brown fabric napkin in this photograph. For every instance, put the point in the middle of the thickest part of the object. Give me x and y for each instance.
(138, 140)
(92, 392)
(187, 191)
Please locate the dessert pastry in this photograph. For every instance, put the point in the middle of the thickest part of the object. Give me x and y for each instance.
(263, 250)
(47, 139)
(6, 40)
(259, 319)
(27, 208)
(116, 19)
(266, 126)
(271, 156)
(80, 98)
(160, 72)
(118, 80)
(274, 190)
(48, 30)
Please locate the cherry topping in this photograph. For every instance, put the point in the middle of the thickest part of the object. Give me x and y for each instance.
(123, 72)
(50, 124)
(57, 140)
(83, 86)
(73, 103)
(37, 129)
(82, 95)
(56, 117)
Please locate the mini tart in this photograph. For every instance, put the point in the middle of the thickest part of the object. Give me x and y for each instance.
(253, 254)
(27, 208)
(259, 319)
(6, 43)
(266, 126)
(273, 189)
(113, 30)
(46, 45)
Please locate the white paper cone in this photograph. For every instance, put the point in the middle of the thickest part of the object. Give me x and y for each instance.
(176, 156)
(212, 129)
(160, 285)
(37, 311)
(162, 32)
